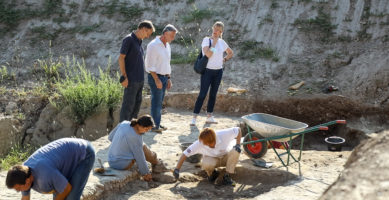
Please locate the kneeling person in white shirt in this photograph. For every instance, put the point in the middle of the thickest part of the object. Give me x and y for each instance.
(220, 148)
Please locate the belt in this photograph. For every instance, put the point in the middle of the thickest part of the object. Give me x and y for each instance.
(166, 75)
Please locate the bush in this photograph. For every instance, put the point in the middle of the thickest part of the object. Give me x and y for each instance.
(253, 50)
(197, 15)
(190, 57)
(17, 155)
(84, 93)
(321, 24)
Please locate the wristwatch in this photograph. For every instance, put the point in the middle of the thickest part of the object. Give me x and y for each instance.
(122, 78)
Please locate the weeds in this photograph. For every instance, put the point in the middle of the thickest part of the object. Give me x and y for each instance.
(274, 4)
(17, 155)
(110, 88)
(40, 91)
(197, 15)
(183, 41)
(3, 73)
(321, 24)
(50, 68)
(84, 29)
(10, 16)
(42, 33)
(190, 57)
(253, 50)
(84, 93)
(128, 12)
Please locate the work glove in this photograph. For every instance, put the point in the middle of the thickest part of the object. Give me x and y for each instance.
(176, 173)
(237, 148)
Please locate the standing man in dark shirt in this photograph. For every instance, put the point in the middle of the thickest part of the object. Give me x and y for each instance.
(131, 63)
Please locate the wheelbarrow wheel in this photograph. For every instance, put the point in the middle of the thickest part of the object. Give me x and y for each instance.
(255, 150)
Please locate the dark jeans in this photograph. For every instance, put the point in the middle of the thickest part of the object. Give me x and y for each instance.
(132, 99)
(210, 78)
(81, 174)
(157, 96)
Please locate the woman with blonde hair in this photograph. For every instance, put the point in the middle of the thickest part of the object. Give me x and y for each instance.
(213, 47)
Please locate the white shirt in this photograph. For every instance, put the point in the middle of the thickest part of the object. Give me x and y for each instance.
(158, 57)
(216, 60)
(225, 140)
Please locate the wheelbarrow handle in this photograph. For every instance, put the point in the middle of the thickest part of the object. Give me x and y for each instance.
(323, 128)
(341, 121)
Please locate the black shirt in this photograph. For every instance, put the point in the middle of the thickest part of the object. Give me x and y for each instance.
(134, 63)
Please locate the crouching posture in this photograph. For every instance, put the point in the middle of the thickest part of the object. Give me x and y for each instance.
(60, 168)
(219, 149)
(127, 147)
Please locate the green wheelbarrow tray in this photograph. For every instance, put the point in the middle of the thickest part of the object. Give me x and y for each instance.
(273, 128)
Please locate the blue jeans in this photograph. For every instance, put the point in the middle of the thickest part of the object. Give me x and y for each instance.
(157, 96)
(210, 78)
(81, 174)
(132, 99)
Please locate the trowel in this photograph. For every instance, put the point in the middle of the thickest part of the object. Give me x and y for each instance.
(102, 171)
(260, 163)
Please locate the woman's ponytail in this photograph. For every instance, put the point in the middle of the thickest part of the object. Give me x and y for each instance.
(144, 120)
(134, 122)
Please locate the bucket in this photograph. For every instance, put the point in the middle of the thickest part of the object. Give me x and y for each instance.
(334, 143)
(192, 159)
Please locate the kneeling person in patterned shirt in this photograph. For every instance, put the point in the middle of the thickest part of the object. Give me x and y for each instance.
(60, 168)
(220, 148)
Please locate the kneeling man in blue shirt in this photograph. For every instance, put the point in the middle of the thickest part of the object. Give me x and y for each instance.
(60, 168)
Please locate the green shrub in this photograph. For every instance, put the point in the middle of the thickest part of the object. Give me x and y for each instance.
(50, 68)
(110, 88)
(320, 24)
(3, 73)
(84, 93)
(16, 156)
(190, 57)
(253, 50)
(123, 8)
(197, 15)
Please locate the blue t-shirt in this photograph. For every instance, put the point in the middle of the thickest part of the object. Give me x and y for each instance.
(127, 145)
(134, 63)
(52, 165)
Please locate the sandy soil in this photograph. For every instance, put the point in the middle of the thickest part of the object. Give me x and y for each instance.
(317, 170)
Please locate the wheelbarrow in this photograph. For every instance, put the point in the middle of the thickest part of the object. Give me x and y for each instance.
(265, 128)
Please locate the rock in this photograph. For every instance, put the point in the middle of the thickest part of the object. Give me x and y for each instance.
(9, 134)
(95, 126)
(188, 177)
(166, 177)
(42, 126)
(63, 125)
(30, 131)
(116, 116)
(11, 108)
(236, 90)
(297, 85)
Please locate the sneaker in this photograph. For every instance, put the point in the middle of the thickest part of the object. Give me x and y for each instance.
(213, 176)
(227, 180)
(157, 130)
(163, 127)
(210, 120)
(193, 122)
(160, 167)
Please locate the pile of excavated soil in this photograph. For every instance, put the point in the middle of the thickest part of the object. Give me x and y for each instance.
(366, 176)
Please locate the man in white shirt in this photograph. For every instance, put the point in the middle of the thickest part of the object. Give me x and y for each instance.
(158, 55)
(220, 148)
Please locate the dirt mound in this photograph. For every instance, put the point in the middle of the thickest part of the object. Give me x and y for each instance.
(366, 172)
